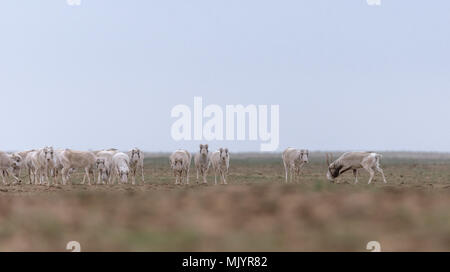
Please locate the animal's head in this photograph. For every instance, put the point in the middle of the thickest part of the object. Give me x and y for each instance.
(101, 166)
(100, 163)
(123, 174)
(333, 169)
(303, 157)
(223, 154)
(135, 154)
(48, 153)
(16, 160)
(177, 165)
(204, 149)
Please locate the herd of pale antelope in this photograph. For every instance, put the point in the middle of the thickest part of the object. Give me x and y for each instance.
(45, 165)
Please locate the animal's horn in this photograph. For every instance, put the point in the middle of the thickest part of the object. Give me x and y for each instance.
(328, 159)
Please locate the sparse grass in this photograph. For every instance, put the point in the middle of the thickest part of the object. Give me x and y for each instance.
(257, 211)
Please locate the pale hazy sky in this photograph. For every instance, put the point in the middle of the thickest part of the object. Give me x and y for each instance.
(347, 76)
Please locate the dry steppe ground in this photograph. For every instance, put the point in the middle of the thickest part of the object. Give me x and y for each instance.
(255, 212)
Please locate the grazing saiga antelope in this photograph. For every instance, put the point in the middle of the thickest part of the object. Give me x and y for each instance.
(120, 167)
(72, 159)
(370, 161)
(7, 163)
(23, 155)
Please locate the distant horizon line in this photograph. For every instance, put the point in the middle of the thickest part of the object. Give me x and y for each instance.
(266, 152)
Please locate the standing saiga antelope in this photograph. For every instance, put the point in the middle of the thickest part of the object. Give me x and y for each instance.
(180, 162)
(220, 162)
(293, 161)
(201, 160)
(370, 161)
